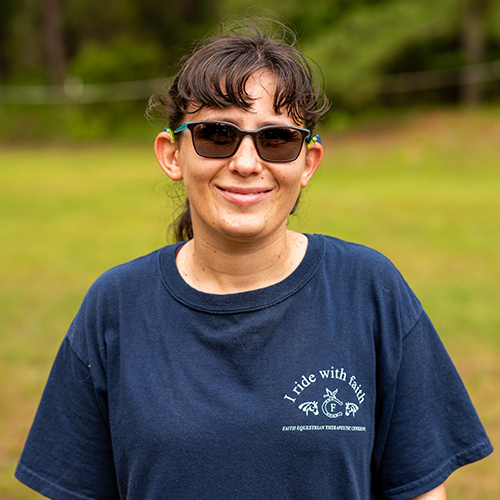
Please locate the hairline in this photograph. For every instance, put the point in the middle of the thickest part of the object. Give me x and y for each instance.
(196, 107)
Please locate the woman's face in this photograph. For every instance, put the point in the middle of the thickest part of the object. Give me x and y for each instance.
(241, 198)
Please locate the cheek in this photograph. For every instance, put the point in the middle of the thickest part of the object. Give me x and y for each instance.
(291, 178)
(198, 173)
(290, 183)
(189, 164)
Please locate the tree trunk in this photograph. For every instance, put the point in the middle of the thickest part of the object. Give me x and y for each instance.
(54, 41)
(474, 46)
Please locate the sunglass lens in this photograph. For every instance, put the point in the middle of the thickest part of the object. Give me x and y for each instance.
(279, 143)
(215, 140)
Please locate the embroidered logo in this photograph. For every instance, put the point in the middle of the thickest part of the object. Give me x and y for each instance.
(310, 406)
(329, 405)
(351, 408)
(336, 401)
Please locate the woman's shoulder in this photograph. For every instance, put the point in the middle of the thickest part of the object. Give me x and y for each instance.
(130, 269)
(355, 260)
(130, 276)
(122, 290)
(361, 273)
(348, 253)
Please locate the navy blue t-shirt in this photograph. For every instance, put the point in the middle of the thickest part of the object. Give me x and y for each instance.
(331, 384)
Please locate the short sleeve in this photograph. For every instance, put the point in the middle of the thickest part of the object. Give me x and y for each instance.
(68, 453)
(428, 426)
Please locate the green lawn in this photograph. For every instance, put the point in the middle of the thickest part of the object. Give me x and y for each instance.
(425, 191)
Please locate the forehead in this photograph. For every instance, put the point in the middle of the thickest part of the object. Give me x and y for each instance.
(260, 110)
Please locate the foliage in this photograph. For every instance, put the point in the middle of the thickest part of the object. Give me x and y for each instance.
(120, 59)
(356, 43)
(362, 44)
(493, 21)
(161, 26)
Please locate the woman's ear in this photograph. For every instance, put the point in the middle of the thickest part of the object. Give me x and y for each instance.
(313, 159)
(167, 154)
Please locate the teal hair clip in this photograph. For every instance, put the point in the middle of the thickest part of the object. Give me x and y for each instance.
(170, 132)
(316, 138)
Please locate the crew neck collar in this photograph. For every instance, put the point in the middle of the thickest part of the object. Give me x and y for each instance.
(239, 302)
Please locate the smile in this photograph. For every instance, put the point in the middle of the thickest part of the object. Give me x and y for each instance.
(243, 196)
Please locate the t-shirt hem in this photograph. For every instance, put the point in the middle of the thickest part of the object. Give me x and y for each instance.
(439, 476)
(46, 488)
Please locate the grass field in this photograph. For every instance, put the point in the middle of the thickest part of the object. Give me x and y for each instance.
(424, 190)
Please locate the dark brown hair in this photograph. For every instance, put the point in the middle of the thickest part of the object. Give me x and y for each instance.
(216, 73)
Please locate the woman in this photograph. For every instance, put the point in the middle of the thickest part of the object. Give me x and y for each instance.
(249, 361)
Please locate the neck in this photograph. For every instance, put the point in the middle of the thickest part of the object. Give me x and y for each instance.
(235, 267)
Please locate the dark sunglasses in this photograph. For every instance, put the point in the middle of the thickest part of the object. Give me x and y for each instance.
(275, 143)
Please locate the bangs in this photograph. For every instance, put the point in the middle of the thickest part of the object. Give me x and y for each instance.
(221, 80)
(216, 76)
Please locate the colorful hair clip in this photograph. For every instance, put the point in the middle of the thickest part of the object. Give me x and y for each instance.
(170, 132)
(316, 138)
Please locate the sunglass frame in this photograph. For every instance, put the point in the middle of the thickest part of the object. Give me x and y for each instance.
(306, 133)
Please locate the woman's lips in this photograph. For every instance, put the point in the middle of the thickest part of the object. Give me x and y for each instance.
(244, 195)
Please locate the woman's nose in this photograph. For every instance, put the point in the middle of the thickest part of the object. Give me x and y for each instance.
(246, 160)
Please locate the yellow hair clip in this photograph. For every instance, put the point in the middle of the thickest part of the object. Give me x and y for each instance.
(170, 132)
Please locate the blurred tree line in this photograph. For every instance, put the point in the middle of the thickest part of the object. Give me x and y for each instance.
(372, 52)
(44, 41)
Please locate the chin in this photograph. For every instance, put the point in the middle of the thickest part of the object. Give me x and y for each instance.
(244, 234)
(249, 231)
